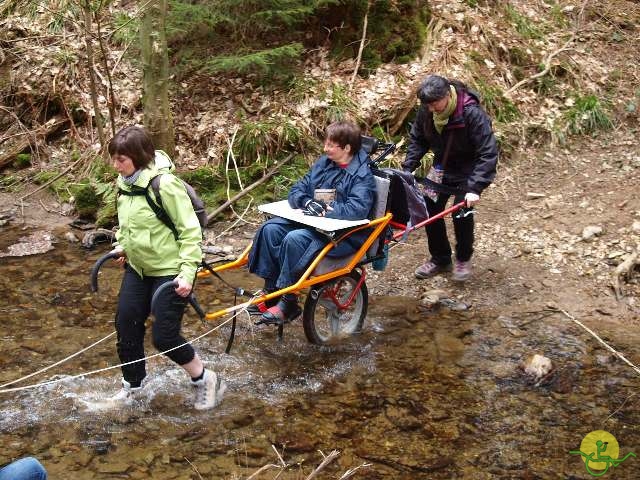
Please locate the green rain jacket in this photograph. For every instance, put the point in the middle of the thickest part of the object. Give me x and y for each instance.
(149, 244)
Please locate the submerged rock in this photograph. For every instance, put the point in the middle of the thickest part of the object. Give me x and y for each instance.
(38, 242)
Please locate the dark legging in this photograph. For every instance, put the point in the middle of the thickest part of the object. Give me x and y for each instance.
(134, 304)
(439, 246)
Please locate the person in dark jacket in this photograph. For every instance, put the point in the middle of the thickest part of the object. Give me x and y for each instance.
(282, 249)
(452, 124)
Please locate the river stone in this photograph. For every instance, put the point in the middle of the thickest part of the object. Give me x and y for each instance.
(590, 232)
(537, 366)
(83, 458)
(296, 442)
(242, 420)
(449, 348)
(113, 467)
(564, 381)
(430, 298)
(34, 346)
(37, 242)
(402, 418)
(70, 237)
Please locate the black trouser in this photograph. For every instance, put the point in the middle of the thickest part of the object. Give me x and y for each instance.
(134, 305)
(439, 247)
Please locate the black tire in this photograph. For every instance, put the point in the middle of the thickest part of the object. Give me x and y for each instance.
(324, 322)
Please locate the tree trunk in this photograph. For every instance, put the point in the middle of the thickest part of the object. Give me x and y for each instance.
(155, 76)
(92, 75)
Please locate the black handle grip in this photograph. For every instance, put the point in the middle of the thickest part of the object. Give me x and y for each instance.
(193, 301)
(96, 268)
(158, 292)
(196, 306)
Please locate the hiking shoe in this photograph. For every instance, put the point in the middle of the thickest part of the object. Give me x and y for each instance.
(430, 269)
(209, 390)
(260, 308)
(461, 272)
(126, 395)
(283, 312)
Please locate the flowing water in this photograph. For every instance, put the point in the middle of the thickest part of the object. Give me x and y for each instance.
(434, 394)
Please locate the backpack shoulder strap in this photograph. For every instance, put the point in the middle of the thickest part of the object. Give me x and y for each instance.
(156, 205)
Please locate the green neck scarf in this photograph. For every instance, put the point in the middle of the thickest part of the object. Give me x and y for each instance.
(441, 119)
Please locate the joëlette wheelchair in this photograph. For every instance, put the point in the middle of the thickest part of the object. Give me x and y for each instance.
(337, 295)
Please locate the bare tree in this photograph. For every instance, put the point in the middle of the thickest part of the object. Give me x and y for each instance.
(155, 76)
(88, 36)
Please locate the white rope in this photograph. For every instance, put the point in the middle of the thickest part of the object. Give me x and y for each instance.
(57, 363)
(93, 372)
(595, 335)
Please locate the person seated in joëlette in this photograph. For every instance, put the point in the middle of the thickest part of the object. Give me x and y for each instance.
(283, 249)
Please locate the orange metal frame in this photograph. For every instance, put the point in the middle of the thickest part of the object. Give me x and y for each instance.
(306, 280)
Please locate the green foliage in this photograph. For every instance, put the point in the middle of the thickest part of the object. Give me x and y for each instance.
(204, 178)
(23, 160)
(262, 62)
(395, 32)
(44, 176)
(8, 182)
(524, 25)
(587, 115)
(126, 29)
(259, 141)
(497, 105)
(287, 176)
(558, 16)
(184, 16)
(107, 214)
(266, 38)
(341, 106)
(518, 56)
(87, 200)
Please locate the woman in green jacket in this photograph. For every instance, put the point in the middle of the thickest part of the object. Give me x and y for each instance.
(152, 256)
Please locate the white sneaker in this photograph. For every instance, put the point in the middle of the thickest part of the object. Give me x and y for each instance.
(124, 398)
(126, 395)
(209, 390)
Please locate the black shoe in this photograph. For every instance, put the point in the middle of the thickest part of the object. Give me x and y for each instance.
(285, 311)
(260, 308)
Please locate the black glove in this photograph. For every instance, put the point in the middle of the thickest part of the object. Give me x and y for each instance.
(315, 208)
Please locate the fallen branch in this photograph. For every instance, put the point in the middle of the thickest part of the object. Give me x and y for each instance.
(595, 335)
(546, 63)
(31, 140)
(241, 194)
(262, 469)
(326, 461)
(624, 270)
(352, 471)
(45, 185)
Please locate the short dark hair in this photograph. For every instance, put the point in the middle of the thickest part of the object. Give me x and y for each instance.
(345, 133)
(433, 88)
(135, 143)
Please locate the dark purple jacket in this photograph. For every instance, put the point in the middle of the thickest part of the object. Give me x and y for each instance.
(473, 154)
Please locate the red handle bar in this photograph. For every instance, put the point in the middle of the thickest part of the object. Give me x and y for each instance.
(444, 213)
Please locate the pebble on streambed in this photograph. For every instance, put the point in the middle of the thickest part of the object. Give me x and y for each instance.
(537, 367)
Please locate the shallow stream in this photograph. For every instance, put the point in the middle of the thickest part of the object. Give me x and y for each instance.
(432, 394)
